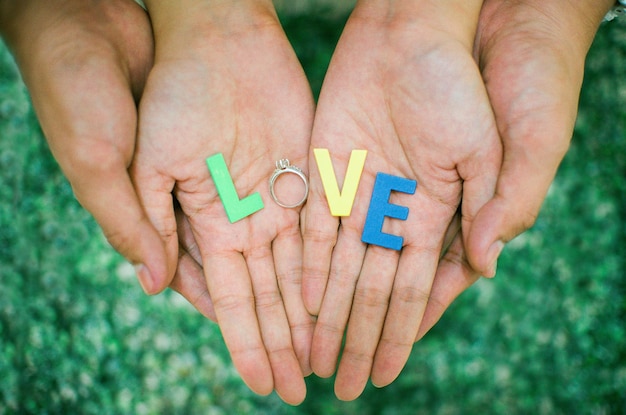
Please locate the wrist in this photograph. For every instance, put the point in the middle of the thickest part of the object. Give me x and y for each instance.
(459, 18)
(572, 23)
(180, 25)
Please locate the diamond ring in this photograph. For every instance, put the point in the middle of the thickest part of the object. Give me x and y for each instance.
(283, 166)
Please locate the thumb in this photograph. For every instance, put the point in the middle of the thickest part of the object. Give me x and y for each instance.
(535, 133)
(526, 175)
(106, 191)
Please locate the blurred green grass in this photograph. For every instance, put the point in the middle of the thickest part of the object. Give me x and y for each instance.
(546, 336)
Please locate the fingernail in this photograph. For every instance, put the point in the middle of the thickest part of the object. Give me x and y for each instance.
(144, 277)
(493, 254)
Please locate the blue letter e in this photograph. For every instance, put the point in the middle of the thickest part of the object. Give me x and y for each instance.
(381, 208)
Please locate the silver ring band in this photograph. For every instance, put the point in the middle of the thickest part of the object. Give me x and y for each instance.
(283, 166)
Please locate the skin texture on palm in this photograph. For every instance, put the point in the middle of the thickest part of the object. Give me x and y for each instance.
(413, 97)
(230, 83)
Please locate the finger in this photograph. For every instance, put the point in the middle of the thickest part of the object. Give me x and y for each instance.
(527, 173)
(185, 234)
(107, 193)
(189, 279)
(480, 174)
(233, 300)
(454, 228)
(287, 250)
(190, 283)
(369, 308)
(335, 309)
(155, 195)
(319, 233)
(454, 275)
(274, 326)
(409, 297)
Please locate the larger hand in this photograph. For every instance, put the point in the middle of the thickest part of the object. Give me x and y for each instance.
(531, 55)
(403, 85)
(226, 81)
(85, 65)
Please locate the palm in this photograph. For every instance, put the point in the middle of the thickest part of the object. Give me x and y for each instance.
(422, 113)
(249, 101)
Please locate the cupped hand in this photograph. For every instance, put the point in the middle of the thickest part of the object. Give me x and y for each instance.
(226, 81)
(85, 66)
(531, 55)
(404, 86)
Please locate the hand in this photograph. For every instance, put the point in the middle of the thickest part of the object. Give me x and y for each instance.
(403, 85)
(85, 65)
(226, 81)
(531, 55)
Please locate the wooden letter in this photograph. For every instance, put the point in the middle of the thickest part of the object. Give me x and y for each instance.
(236, 209)
(380, 208)
(340, 203)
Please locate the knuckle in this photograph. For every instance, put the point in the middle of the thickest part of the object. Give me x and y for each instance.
(122, 241)
(411, 296)
(230, 302)
(456, 256)
(343, 278)
(371, 297)
(167, 231)
(93, 157)
(280, 352)
(351, 228)
(314, 273)
(330, 327)
(399, 343)
(240, 352)
(352, 354)
(319, 237)
(189, 247)
(291, 276)
(258, 252)
(267, 300)
(199, 299)
(302, 327)
(521, 221)
(528, 219)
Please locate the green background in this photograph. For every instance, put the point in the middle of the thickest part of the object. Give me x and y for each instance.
(546, 336)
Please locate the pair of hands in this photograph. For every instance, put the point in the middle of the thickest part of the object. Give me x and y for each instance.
(403, 83)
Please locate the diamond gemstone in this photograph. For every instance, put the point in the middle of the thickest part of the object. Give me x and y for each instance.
(282, 164)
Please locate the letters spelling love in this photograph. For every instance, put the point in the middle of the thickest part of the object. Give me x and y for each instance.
(339, 202)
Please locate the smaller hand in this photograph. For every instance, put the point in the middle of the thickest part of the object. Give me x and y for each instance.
(409, 92)
(247, 98)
